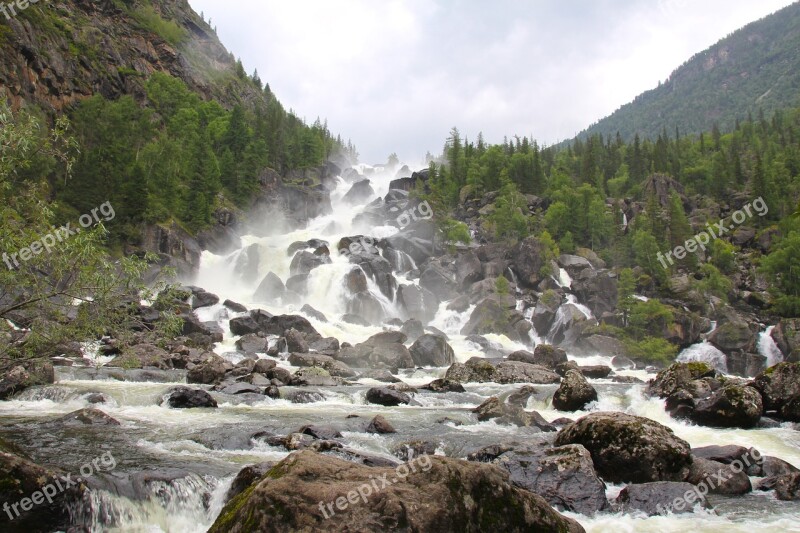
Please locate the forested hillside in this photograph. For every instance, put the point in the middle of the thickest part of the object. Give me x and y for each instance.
(756, 68)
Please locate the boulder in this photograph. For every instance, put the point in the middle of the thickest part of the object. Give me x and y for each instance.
(313, 376)
(574, 393)
(387, 397)
(246, 477)
(304, 262)
(730, 406)
(527, 259)
(787, 487)
(778, 385)
(490, 316)
(661, 498)
(432, 350)
(413, 329)
(479, 370)
(440, 281)
(211, 371)
(186, 398)
(359, 193)
(335, 368)
(564, 476)
(438, 494)
(270, 289)
(628, 448)
(444, 385)
(548, 356)
(386, 356)
(88, 417)
(678, 376)
(380, 426)
(468, 269)
(719, 478)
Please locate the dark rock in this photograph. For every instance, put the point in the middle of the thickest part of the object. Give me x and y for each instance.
(549, 356)
(380, 425)
(420, 303)
(88, 417)
(432, 350)
(241, 388)
(246, 477)
(313, 376)
(787, 487)
(595, 371)
(661, 498)
(211, 371)
(313, 313)
(437, 497)
(387, 397)
(574, 393)
(186, 398)
(730, 406)
(270, 289)
(444, 385)
(335, 368)
(778, 385)
(564, 476)
(627, 448)
(413, 329)
(678, 376)
(359, 193)
(712, 474)
(321, 432)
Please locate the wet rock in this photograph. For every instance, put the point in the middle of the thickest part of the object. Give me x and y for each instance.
(468, 269)
(620, 362)
(750, 458)
(246, 477)
(413, 329)
(661, 498)
(574, 393)
(444, 385)
(419, 303)
(304, 262)
(88, 417)
(595, 371)
(272, 392)
(262, 366)
(313, 313)
(778, 385)
(432, 350)
(313, 376)
(564, 476)
(295, 341)
(211, 371)
(787, 487)
(678, 376)
(335, 368)
(380, 375)
(235, 307)
(21, 478)
(408, 450)
(523, 355)
(730, 406)
(772, 466)
(320, 432)
(549, 356)
(734, 335)
(440, 281)
(627, 448)
(241, 388)
(201, 298)
(186, 398)
(380, 426)
(490, 316)
(359, 193)
(719, 478)
(387, 397)
(252, 343)
(519, 372)
(388, 356)
(350, 318)
(386, 337)
(527, 259)
(271, 289)
(521, 396)
(435, 499)
(305, 396)
(327, 346)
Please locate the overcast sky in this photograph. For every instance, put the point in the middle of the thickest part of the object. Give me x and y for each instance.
(395, 75)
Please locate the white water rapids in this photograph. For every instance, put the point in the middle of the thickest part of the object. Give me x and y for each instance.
(213, 444)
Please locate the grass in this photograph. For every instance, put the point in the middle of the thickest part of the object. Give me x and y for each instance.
(150, 20)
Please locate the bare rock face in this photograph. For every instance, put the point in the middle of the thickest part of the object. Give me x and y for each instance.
(659, 497)
(312, 492)
(627, 448)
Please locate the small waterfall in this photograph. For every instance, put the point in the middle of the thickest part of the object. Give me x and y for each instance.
(768, 348)
(572, 299)
(704, 352)
(564, 280)
(178, 505)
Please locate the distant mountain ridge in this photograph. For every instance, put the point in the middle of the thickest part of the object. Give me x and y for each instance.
(755, 68)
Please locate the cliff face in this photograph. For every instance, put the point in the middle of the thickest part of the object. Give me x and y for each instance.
(54, 54)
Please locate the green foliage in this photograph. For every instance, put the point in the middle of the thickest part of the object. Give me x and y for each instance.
(71, 291)
(626, 288)
(714, 282)
(653, 350)
(782, 267)
(550, 253)
(502, 286)
(508, 219)
(650, 318)
(149, 19)
(723, 256)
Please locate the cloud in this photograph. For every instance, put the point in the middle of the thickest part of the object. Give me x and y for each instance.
(395, 76)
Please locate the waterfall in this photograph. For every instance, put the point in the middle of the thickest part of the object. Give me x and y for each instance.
(704, 352)
(768, 348)
(572, 299)
(564, 280)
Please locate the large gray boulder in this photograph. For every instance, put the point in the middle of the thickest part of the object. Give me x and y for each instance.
(432, 350)
(574, 393)
(628, 448)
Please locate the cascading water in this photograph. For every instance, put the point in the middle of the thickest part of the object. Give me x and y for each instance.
(768, 348)
(209, 446)
(705, 352)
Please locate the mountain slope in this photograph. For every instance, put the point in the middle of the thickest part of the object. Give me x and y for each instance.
(755, 68)
(53, 55)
